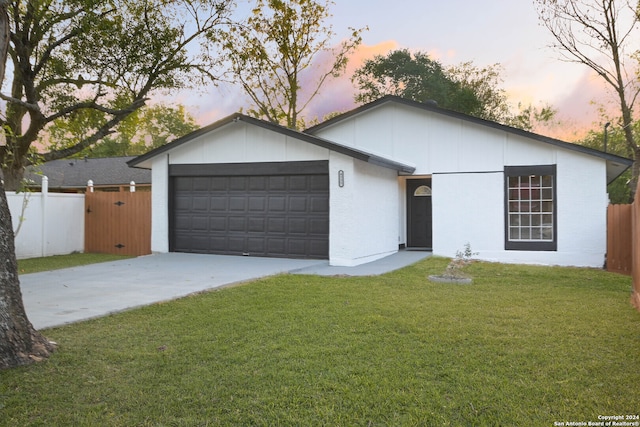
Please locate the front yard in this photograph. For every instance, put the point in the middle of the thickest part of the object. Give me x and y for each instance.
(520, 346)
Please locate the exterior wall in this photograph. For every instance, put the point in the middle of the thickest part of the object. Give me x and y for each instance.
(363, 213)
(234, 143)
(53, 223)
(160, 204)
(466, 161)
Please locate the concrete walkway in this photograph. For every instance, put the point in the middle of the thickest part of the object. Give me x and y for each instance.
(74, 294)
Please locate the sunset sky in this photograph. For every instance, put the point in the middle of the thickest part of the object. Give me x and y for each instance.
(453, 31)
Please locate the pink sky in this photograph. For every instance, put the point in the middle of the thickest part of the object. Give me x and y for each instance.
(489, 32)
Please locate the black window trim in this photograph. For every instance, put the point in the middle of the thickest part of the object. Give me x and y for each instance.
(530, 245)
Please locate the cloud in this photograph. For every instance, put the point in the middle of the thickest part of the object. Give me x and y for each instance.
(337, 95)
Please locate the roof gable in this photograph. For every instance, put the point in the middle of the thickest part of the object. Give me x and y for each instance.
(616, 165)
(143, 160)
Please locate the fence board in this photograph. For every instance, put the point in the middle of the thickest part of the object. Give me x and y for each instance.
(118, 223)
(635, 249)
(619, 239)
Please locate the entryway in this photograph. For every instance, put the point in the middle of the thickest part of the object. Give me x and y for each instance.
(419, 214)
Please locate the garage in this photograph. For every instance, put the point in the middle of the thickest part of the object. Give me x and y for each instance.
(276, 209)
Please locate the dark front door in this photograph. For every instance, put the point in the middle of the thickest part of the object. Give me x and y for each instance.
(419, 222)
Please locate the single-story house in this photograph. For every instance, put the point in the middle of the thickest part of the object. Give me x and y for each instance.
(72, 175)
(390, 174)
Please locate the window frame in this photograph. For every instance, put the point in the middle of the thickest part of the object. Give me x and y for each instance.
(531, 245)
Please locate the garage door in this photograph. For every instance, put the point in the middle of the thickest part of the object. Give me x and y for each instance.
(258, 209)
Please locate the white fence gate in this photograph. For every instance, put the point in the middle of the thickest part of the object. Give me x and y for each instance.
(50, 223)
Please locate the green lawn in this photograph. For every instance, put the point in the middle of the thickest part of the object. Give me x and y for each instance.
(36, 265)
(521, 346)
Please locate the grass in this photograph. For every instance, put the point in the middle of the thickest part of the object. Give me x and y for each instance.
(523, 345)
(36, 265)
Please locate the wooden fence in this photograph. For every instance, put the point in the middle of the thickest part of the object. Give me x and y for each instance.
(635, 251)
(623, 243)
(619, 239)
(118, 222)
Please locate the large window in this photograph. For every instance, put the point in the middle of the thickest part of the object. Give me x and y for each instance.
(531, 208)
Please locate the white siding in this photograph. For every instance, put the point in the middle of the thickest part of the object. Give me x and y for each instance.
(160, 204)
(244, 143)
(363, 213)
(466, 161)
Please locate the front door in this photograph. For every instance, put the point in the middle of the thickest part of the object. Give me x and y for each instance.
(419, 222)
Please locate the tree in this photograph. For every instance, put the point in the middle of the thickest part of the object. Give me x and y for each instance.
(464, 88)
(612, 140)
(20, 343)
(100, 60)
(143, 130)
(601, 34)
(272, 56)
(416, 77)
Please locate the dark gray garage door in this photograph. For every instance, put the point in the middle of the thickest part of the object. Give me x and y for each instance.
(258, 209)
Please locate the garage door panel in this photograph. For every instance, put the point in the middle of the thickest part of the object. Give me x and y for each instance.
(238, 183)
(237, 223)
(319, 205)
(258, 183)
(298, 226)
(257, 204)
(319, 226)
(277, 183)
(299, 183)
(217, 224)
(297, 203)
(257, 225)
(278, 203)
(200, 203)
(255, 246)
(318, 183)
(276, 225)
(200, 184)
(272, 215)
(219, 183)
(218, 203)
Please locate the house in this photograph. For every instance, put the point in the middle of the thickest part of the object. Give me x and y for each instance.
(72, 175)
(390, 174)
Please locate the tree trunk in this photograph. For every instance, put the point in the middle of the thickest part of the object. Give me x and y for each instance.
(20, 343)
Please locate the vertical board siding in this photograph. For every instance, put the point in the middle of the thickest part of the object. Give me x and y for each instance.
(619, 239)
(635, 249)
(623, 243)
(118, 223)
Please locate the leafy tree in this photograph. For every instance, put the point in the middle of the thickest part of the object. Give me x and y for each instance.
(614, 138)
(20, 343)
(143, 130)
(416, 77)
(272, 56)
(464, 88)
(98, 61)
(603, 35)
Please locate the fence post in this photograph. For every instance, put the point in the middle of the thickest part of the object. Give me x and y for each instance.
(132, 187)
(44, 195)
(90, 185)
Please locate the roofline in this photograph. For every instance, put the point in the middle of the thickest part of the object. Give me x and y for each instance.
(236, 117)
(483, 122)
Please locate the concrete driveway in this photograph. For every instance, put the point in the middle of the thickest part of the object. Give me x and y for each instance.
(74, 294)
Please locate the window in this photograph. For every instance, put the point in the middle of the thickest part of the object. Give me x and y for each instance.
(422, 191)
(530, 208)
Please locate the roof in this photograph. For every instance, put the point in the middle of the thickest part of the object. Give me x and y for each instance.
(74, 173)
(616, 165)
(142, 161)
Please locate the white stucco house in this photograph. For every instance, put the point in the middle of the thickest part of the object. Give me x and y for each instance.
(389, 175)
